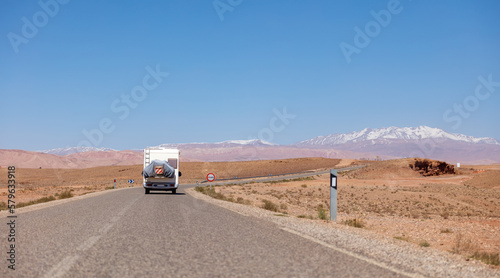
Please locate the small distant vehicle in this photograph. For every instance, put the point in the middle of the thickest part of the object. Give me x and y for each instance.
(161, 169)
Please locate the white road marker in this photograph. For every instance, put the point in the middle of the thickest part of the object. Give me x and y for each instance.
(62, 267)
(105, 228)
(65, 265)
(88, 243)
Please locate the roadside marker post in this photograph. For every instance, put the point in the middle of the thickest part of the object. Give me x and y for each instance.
(210, 178)
(333, 195)
(115, 184)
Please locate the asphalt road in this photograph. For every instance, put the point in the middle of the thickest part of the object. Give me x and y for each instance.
(276, 177)
(125, 233)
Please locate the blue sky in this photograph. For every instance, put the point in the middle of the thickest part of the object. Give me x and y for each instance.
(233, 66)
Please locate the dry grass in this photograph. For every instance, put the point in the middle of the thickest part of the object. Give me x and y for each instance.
(213, 193)
(354, 222)
(463, 246)
(243, 201)
(270, 206)
(37, 201)
(322, 214)
(424, 243)
(402, 238)
(488, 258)
(65, 194)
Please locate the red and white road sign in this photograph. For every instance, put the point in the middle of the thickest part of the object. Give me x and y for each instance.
(158, 170)
(210, 177)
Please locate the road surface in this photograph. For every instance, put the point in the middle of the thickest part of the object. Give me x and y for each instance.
(125, 233)
(276, 177)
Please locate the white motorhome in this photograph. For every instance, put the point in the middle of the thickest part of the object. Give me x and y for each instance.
(157, 181)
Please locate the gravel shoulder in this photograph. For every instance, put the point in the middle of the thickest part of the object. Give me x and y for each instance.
(393, 254)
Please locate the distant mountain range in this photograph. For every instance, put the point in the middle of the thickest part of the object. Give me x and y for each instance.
(70, 150)
(382, 143)
(390, 134)
(419, 141)
(228, 143)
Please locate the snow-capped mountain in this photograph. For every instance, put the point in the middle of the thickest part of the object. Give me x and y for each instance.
(247, 142)
(419, 141)
(70, 150)
(390, 134)
(228, 143)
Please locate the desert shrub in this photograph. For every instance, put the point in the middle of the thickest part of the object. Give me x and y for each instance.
(445, 214)
(322, 213)
(354, 222)
(212, 193)
(37, 201)
(283, 206)
(242, 201)
(432, 168)
(446, 231)
(65, 194)
(3, 205)
(270, 206)
(462, 246)
(421, 165)
(424, 243)
(488, 258)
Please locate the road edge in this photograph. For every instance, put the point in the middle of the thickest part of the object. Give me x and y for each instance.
(39, 206)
